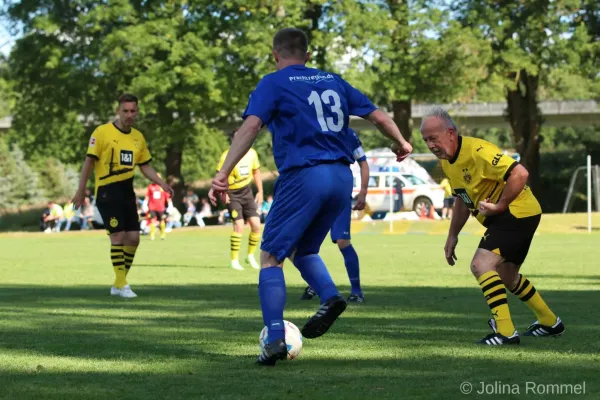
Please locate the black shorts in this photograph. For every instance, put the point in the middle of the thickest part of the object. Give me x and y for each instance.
(159, 215)
(242, 204)
(448, 202)
(509, 237)
(119, 216)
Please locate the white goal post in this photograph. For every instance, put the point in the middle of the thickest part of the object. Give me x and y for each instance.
(592, 173)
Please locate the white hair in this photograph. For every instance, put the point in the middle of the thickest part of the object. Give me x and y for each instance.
(442, 114)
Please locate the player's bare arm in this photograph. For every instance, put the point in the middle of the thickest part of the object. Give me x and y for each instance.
(388, 127)
(259, 185)
(514, 186)
(151, 174)
(460, 216)
(361, 199)
(86, 170)
(241, 144)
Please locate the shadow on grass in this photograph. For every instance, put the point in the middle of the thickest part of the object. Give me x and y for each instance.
(199, 341)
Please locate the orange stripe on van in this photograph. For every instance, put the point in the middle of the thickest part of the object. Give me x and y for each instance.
(386, 191)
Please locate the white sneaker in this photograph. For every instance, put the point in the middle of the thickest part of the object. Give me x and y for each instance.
(235, 264)
(252, 261)
(127, 292)
(114, 291)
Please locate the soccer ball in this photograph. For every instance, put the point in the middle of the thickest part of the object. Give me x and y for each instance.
(293, 339)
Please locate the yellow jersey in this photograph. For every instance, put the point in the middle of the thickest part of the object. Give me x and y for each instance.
(241, 175)
(117, 153)
(479, 171)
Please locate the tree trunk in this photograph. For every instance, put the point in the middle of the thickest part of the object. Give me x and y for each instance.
(174, 149)
(173, 168)
(525, 121)
(402, 117)
(313, 13)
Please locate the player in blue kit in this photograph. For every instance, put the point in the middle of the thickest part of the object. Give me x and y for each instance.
(307, 112)
(340, 231)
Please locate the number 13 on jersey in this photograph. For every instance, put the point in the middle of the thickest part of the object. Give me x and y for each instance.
(332, 99)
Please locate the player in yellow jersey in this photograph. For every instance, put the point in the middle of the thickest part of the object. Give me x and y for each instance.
(242, 205)
(492, 187)
(113, 152)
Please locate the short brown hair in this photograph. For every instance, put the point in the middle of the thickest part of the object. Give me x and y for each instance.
(127, 98)
(291, 42)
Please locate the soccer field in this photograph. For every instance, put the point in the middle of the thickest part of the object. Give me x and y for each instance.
(193, 331)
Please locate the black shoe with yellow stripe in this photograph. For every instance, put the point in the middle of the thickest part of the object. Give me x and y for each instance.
(536, 329)
(497, 339)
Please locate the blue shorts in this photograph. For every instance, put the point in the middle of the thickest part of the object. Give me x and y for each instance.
(341, 226)
(305, 204)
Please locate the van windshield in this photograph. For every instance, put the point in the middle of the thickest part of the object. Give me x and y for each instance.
(414, 180)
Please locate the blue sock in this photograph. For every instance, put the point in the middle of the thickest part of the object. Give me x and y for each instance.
(313, 270)
(271, 290)
(352, 267)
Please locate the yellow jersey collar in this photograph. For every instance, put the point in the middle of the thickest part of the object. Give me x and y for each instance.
(455, 157)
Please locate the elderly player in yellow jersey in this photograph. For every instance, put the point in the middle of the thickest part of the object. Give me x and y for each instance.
(492, 187)
(113, 152)
(242, 205)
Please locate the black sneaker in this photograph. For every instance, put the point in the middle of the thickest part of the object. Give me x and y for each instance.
(356, 298)
(536, 329)
(497, 339)
(320, 323)
(277, 350)
(308, 294)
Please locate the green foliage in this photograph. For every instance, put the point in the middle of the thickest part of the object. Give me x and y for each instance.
(57, 180)
(6, 93)
(19, 183)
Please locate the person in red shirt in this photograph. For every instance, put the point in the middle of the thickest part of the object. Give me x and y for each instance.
(157, 200)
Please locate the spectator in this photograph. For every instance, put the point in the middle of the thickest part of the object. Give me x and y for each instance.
(266, 206)
(205, 211)
(173, 219)
(68, 217)
(86, 214)
(90, 194)
(43, 225)
(52, 217)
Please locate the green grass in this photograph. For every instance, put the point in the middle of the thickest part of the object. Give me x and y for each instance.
(193, 331)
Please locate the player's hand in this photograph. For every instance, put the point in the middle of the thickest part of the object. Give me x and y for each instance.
(488, 209)
(361, 201)
(78, 199)
(259, 198)
(167, 189)
(402, 150)
(449, 249)
(219, 187)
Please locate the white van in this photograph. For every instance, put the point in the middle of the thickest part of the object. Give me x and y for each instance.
(416, 193)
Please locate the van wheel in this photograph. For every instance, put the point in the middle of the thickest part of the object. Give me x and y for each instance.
(421, 202)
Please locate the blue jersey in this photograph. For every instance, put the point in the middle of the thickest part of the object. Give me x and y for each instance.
(307, 112)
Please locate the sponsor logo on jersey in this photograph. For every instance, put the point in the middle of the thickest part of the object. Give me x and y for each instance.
(312, 78)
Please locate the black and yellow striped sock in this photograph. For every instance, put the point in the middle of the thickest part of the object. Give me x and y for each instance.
(129, 253)
(118, 262)
(236, 242)
(527, 293)
(495, 294)
(253, 242)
